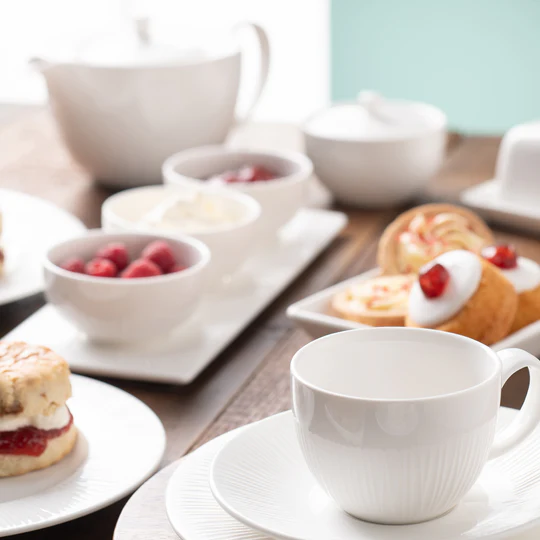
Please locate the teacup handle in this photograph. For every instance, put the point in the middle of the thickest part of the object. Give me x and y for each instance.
(529, 416)
(264, 66)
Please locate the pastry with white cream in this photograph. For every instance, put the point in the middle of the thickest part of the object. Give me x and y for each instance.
(381, 301)
(419, 235)
(459, 292)
(36, 426)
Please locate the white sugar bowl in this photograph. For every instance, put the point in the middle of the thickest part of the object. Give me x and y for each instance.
(518, 164)
(376, 152)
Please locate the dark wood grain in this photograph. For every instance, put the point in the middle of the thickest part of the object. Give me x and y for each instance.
(249, 380)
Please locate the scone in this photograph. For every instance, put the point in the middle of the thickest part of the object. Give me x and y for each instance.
(381, 301)
(419, 235)
(459, 292)
(36, 426)
(524, 274)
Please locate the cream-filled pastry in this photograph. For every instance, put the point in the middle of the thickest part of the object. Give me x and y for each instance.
(524, 274)
(381, 301)
(36, 426)
(418, 236)
(461, 293)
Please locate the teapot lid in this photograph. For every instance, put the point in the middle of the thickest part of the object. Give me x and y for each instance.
(136, 46)
(374, 117)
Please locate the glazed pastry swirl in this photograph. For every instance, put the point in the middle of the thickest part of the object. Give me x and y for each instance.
(427, 237)
(382, 294)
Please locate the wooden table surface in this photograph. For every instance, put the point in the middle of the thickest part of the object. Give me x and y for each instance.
(249, 380)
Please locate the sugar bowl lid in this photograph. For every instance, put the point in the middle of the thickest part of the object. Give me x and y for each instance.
(373, 117)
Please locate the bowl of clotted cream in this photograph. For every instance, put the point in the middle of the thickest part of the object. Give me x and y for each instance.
(225, 221)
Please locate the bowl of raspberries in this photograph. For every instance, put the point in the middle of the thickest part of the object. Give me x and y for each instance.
(126, 287)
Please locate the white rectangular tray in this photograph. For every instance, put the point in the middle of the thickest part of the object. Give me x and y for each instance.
(487, 201)
(311, 314)
(221, 317)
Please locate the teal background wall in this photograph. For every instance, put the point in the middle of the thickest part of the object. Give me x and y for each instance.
(479, 60)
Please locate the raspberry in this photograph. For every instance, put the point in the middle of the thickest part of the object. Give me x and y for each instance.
(115, 252)
(434, 280)
(141, 268)
(101, 268)
(75, 264)
(160, 253)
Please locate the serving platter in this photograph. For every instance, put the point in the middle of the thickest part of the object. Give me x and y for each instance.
(224, 313)
(312, 314)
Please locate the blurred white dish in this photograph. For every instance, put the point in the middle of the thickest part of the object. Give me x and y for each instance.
(30, 227)
(312, 314)
(126, 310)
(221, 317)
(280, 198)
(376, 152)
(126, 102)
(121, 443)
(224, 220)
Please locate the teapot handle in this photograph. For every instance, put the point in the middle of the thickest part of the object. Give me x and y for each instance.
(264, 65)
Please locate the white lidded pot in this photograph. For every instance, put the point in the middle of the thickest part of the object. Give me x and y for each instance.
(376, 152)
(127, 104)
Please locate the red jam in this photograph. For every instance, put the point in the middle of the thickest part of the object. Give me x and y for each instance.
(245, 175)
(433, 281)
(503, 256)
(29, 441)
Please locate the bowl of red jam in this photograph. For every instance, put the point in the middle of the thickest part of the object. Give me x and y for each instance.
(277, 180)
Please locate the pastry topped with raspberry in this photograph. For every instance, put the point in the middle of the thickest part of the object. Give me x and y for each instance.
(381, 301)
(423, 233)
(36, 426)
(459, 292)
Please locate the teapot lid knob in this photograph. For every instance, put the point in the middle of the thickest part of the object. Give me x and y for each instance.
(142, 26)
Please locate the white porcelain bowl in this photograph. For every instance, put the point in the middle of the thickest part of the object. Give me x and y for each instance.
(379, 171)
(125, 310)
(280, 199)
(230, 243)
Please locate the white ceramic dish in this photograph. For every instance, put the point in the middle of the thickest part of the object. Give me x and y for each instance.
(195, 514)
(221, 316)
(126, 310)
(280, 199)
(486, 199)
(230, 243)
(121, 443)
(376, 152)
(124, 105)
(31, 226)
(312, 315)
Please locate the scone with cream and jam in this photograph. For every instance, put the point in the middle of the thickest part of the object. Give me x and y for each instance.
(419, 235)
(524, 274)
(460, 292)
(36, 426)
(381, 301)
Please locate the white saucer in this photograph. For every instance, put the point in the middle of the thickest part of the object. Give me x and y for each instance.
(221, 317)
(486, 199)
(260, 478)
(30, 226)
(121, 443)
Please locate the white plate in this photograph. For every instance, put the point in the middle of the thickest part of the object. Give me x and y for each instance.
(31, 226)
(311, 314)
(221, 317)
(121, 443)
(261, 479)
(195, 515)
(487, 201)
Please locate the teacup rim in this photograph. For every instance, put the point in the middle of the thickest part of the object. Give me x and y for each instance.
(396, 330)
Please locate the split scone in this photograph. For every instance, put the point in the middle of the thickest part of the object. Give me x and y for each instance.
(524, 274)
(419, 235)
(36, 426)
(461, 293)
(381, 301)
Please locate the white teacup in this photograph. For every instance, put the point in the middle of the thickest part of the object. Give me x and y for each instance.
(396, 424)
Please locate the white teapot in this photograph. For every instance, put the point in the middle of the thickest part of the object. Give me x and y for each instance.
(122, 112)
